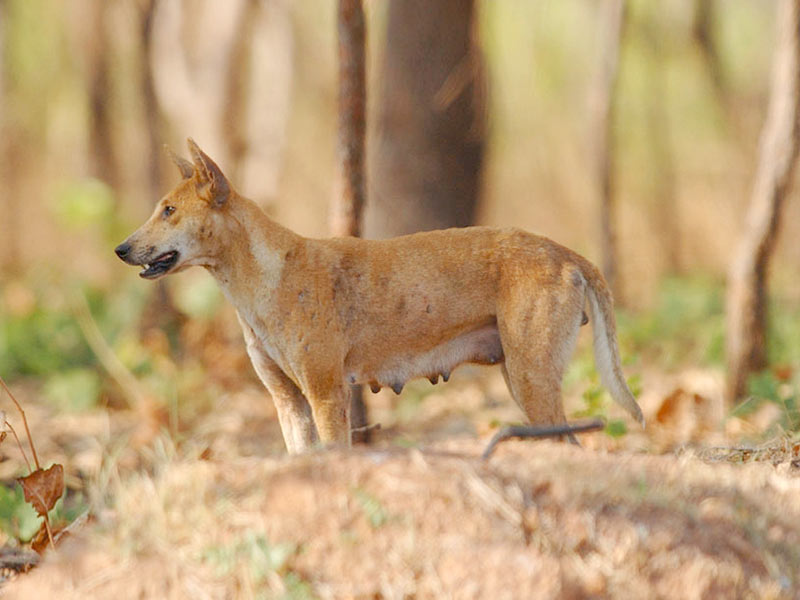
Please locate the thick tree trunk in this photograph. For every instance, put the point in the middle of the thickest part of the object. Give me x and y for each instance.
(602, 125)
(348, 203)
(430, 135)
(747, 278)
(222, 73)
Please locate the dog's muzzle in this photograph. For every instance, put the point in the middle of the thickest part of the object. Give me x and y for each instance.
(152, 268)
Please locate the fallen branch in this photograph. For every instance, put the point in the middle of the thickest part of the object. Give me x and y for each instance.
(539, 432)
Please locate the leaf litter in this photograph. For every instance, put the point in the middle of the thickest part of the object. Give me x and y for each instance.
(42, 488)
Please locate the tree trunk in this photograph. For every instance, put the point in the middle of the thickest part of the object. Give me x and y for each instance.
(101, 125)
(193, 44)
(664, 192)
(348, 203)
(9, 240)
(602, 125)
(705, 14)
(430, 137)
(152, 112)
(747, 278)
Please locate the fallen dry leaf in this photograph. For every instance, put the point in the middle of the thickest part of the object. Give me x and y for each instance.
(40, 541)
(43, 488)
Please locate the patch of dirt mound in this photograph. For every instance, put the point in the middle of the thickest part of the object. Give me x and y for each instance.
(539, 520)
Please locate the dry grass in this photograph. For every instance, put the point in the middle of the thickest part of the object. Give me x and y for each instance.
(539, 520)
(223, 513)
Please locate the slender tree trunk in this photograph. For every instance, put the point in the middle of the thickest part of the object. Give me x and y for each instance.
(430, 135)
(101, 143)
(348, 204)
(705, 14)
(666, 213)
(602, 123)
(9, 239)
(152, 112)
(234, 111)
(747, 277)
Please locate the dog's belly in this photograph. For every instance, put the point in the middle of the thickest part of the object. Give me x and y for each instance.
(481, 346)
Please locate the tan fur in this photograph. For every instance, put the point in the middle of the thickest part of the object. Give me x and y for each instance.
(318, 315)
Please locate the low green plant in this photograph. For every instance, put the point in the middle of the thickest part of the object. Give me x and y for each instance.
(595, 397)
(373, 509)
(263, 559)
(687, 324)
(766, 386)
(18, 519)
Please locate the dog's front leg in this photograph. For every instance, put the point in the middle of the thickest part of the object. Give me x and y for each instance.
(294, 411)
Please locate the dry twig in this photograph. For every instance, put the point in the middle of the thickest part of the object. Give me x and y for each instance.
(537, 432)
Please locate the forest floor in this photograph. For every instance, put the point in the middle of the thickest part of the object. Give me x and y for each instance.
(221, 512)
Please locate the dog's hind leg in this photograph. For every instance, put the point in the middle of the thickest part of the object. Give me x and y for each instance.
(538, 335)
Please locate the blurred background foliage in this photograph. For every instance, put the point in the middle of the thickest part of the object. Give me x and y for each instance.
(90, 90)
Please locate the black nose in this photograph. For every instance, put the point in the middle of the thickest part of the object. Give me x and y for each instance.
(123, 250)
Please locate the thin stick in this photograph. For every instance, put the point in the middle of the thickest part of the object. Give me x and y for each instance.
(536, 432)
(49, 531)
(25, 421)
(104, 353)
(366, 428)
(21, 449)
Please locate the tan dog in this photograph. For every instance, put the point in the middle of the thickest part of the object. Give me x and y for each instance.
(319, 315)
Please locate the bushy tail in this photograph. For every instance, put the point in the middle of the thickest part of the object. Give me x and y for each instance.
(606, 352)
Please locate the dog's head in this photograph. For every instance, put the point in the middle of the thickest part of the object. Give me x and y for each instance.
(181, 231)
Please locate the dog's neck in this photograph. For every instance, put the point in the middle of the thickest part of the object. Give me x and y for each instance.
(253, 253)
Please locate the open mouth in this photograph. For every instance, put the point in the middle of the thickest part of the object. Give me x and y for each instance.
(160, 265)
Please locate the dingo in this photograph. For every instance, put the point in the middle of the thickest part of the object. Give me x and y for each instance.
(319, 315)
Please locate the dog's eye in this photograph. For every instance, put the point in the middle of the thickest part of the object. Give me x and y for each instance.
(168, 210)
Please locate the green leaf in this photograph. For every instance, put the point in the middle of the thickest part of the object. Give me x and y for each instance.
(616, 428)
(17, 518)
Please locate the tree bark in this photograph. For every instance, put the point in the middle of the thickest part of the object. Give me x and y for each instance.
(705, 14)
(747, 278)
(9, 240)
(348, 203)
(101, 124)
(152, 111)
(602, 125)
(430, 135)
(665, 215)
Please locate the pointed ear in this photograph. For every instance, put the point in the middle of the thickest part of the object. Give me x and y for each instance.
(184, 166)
(211, 182)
